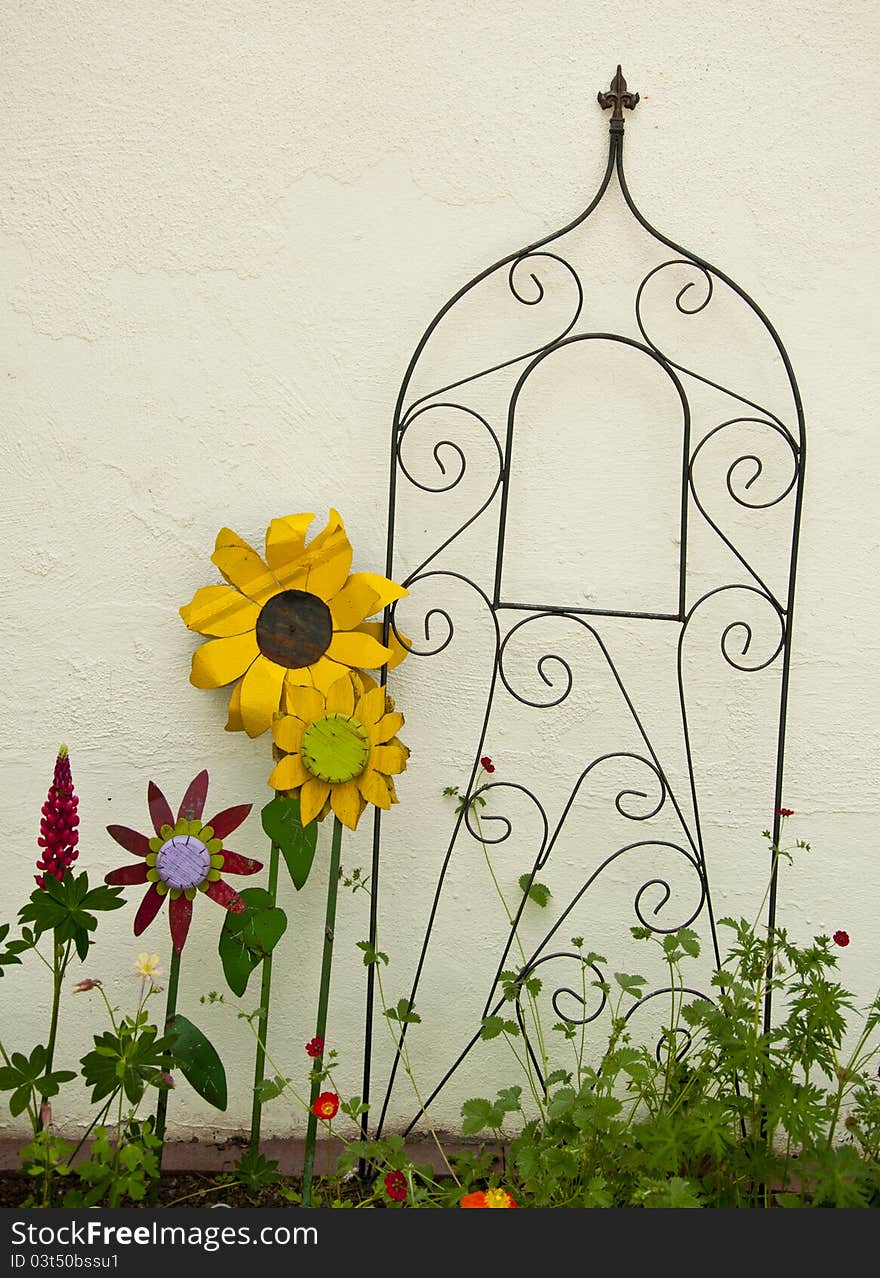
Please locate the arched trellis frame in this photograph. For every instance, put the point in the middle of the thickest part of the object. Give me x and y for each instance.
(527, 276)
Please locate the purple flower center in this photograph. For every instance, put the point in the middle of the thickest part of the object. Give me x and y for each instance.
(183, 862)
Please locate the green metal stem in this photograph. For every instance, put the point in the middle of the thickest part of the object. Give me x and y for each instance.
(263, 1020)
(323, 1002)
(170, 1009)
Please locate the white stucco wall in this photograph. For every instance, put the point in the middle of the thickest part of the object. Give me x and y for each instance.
(224, 229)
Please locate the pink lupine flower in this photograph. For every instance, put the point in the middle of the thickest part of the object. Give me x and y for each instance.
(58, 828)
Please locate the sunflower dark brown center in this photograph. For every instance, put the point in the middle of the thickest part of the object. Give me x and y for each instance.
(294, 629)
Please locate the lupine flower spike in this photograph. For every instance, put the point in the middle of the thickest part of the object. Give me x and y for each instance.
(58, 828)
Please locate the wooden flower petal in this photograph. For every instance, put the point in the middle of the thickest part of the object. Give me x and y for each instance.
(371, 707)
(355, 601)
(242, 567)
(400, 647)
(192, 805)
(160, 808)
(220, 661)
(324, 672)
(233, 717)
(289, 773)
(261, 695)
(390, 758)
(305, 703)
(374, 789)
(131, 840)
(180, 912)
(327, 578)
(340, 696)
(345, 801)
(385, 590)
(287, 733)
(128, 874)
(235, 863)
(387, 727)
(285, 542)
(312, 798)
(221, 611)
(229, 819)
(226, 896)
(356, 649)
(148, 909)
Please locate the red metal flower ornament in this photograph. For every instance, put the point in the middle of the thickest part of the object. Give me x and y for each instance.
(186, 856)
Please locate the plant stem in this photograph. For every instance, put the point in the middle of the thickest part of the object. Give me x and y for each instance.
(170, 1009)
(59, 963)
(323, 1002)
(263, 1019)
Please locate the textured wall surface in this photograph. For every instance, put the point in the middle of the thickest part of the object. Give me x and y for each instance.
(224, 228)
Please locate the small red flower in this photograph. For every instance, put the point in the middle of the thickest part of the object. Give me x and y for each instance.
(314, 1047)
(395, 1186)
(841, 938)
(58, 828)
(785, 812)
(326, 1106)
(488, 1198)
(487, 764)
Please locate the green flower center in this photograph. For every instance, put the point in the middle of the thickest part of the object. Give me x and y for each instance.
(294, 629)
(335, 748)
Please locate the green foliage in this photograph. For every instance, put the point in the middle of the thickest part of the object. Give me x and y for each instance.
(246, 938)
(537, 892)
(198, 1061)
(404, 1013)
(129, 1059)
(67, 908)
(297, 843)
(28, 1079)
(116, 1172)
(256, 1173)
(10, 951)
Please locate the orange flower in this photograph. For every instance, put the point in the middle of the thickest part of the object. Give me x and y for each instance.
(326, 1105)
(488, 1198)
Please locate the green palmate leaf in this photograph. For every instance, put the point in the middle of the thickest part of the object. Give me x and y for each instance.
(495, 1025)
(130, 1061)
(198, 1061)
(246, 938)
(68, 907)
(269, 1089)
(403, 1013)
(297, 843)
(476, 1114)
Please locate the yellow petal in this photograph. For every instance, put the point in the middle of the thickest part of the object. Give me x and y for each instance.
(387, 727)
(390, 758)
(400, 647)
(261, 695)
(306, 703)
(385, 589)
(298, 677)
(371, 706)
(327, 578)
(356, 649)
(220, 610)
(374, 789)
(243, 567)
(233, 719)
(325, 672)
(354, 602)
(312, 797)
(288, 774)
(286, 540)
(340, 697)
(345, 801)
(287, 733)
(219, 661)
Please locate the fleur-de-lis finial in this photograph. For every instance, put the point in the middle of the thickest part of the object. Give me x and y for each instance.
(617, 97)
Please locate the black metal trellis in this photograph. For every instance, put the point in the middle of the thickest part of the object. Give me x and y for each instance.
(528, 277)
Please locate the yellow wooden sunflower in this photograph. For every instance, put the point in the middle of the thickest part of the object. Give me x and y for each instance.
(340, 751)
(295, 619)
